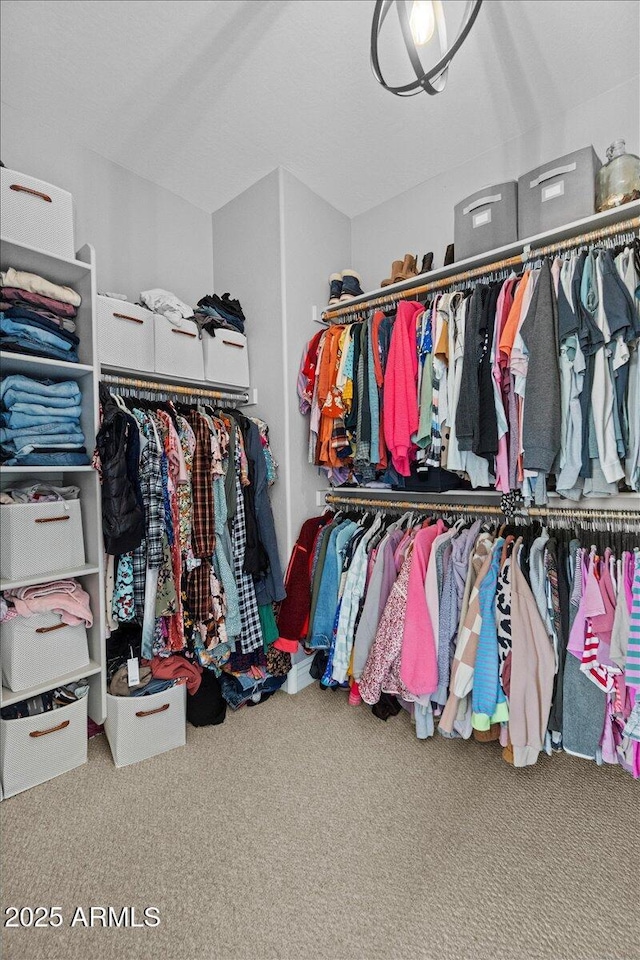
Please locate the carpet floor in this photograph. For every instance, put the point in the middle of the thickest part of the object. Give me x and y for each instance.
(305, 829)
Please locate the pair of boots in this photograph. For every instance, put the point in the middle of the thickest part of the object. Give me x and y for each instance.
(344, 286)
(407, 268)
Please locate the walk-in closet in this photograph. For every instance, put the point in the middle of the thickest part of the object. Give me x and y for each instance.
(320, 479)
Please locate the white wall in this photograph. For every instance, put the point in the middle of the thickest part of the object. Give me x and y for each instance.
(274, 247)
(247, 264)
(145, 236)
(316, 243)
(421, 219)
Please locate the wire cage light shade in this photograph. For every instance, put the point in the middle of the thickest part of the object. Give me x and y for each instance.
(434, 80)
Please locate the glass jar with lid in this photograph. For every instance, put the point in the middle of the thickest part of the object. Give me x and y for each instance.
(618, 179)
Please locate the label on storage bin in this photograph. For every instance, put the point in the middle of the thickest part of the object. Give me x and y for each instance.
(479, 219)
(553, 190)
(133, 671)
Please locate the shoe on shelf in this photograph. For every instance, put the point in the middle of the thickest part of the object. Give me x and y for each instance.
(351, 285)
(335, 288)
(396, 267)
(449, 256)
(427, 263)
(408, 270)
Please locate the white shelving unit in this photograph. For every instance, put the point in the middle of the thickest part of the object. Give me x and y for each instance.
(608, 218)
(79, 274)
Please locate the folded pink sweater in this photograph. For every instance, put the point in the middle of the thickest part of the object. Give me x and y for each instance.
(400, 406)
(419, 661)
(64, 597)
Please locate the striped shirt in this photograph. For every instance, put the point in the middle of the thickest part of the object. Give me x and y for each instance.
(632, 666)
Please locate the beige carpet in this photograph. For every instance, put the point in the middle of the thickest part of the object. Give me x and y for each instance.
(306, 829)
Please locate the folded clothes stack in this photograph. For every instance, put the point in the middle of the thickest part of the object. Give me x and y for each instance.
(216, 312)
(247, 687)
(167, 305)
(65, 598)
(37, 317)
(44, 702)
(38, 492)
(40, 423)
(154, 676)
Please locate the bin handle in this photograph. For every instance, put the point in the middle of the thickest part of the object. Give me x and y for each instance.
(125, 316)
(496, 198)
(149, 713)
(34, 193)
(56, 626)
(232, 343)
(52, 519)
(43, 733)
(185, 333)
(549, 174)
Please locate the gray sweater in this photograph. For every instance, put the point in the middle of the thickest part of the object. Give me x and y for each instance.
(542, 418)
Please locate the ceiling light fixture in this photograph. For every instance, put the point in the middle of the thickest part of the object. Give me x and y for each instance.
(418, 27)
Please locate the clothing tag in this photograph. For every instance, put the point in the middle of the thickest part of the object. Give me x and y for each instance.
(552, 191)
(133, 672)
(479, 219)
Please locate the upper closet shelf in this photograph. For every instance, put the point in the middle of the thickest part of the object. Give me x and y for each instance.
(81, 571)
(15, 696)
(598, 221)
(57, 269)
(142, 380)
(42, 367)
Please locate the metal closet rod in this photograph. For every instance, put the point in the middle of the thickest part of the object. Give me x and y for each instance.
(173, 388)
(403, 505)
(528, 254)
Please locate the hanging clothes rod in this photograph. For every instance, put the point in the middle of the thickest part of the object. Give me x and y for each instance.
(173, 389)
(583, 239)
(624, 226)
(400, 506)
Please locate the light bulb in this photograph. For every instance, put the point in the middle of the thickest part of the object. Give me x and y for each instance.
(422, 21)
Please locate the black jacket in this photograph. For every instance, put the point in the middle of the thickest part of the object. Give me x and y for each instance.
(122, 515)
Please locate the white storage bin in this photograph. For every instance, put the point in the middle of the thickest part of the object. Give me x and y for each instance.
(37, 214)
(38, 649)
(141, 727)
(226, 358)
(178, 349)
(40, 538)
(36, 749)
(125, 334)
(299, 676)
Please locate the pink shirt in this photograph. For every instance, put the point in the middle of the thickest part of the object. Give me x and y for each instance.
(400, 408)
(419, 662)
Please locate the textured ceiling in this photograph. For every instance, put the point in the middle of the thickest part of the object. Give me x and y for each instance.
(204, 98)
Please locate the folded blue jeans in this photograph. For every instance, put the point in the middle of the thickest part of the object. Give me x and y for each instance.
(68, 442)
(12, 396)
(26, 316)
(49, 460)
(236, 696)
(18, 421)
(50, 428)
(40, 410)
(24, 344)
(43, 388)
(155, 685)
(21, 327)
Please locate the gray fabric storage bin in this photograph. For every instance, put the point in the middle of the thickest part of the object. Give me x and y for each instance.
(486, 220)
(558, 192)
